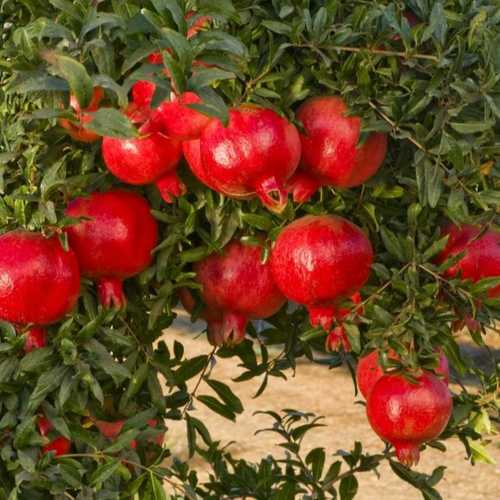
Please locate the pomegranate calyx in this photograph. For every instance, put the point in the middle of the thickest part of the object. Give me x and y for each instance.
(110, 292)
(408, 452)
(228, 332)
(322, 315)
(336, 339)
(302, 186)
(36, 338)
(272, 194)
(170, 187)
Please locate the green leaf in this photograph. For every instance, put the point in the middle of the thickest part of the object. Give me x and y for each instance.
(74, 73)
(208, 76)
(316, 460)
(216, 406)
(157, 488)
(226, 394)
(110, 122)
(353, 336)
(278, 27)
(190, 368)
(104, 472)
(68, 8)
(472, 127)
(35, 360)
(348, 487)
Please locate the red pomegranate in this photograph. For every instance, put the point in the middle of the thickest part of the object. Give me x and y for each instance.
(77, 129)
(139, 109)
(150, 158)
(39, 280)
(320, 260)
(44, 425)
(237, 287)
(111, 430)
(255, 154)
(177, 120)
(369, 370)
(408, 414)
(115, 243)
(36, 338)
(59, 446)
(197, 24)
(331, 153)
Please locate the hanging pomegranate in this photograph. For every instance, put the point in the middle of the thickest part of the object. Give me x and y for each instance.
(408, 414)
(254, 155)
(115, 242)
(331, 153)
(320, 260)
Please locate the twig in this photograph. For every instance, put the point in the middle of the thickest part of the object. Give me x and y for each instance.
(381, 52)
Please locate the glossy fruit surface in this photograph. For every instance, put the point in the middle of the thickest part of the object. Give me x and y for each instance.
(237, 287)
(177, 120)
(39, 280)
(319, 260)
(59, 446)
(409, 414)
(369, 370)
(331, 152)
(255, 154)
(76, 129)
(143, 160)
(115, 242)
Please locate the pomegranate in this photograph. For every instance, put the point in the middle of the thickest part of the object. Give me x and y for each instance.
(111, 430)
(320, 260)
(237, 287)
(39, 280)
(44, 425)
(198, 23)
(408, 414)
(59, 446)
(175, 119)
(139, 110)
(36, 338)
(255, 154)
(77, 129)
(115, 243)
(152, 157)
(369, 370)
(331, 154)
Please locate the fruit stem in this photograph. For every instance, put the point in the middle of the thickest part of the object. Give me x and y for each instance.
(408, 452)
(272, 194)
(229, 332)
(36, 338)
(110, 292)
(170, 187)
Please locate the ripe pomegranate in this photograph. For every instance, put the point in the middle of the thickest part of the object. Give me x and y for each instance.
(60, 446)
(408, 414)
(77, 129)
(36, 338)
(175, 119)
(255, 154)
(331, 154)
(39, 280)
(369, 370)
(320, 260)
(152, 157)
(139, 110)
(237, 287)
(115, 243)
(111, 430)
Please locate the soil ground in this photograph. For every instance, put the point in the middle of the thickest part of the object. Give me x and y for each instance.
(329, 393)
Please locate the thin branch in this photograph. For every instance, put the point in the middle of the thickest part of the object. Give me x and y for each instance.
(380, 52)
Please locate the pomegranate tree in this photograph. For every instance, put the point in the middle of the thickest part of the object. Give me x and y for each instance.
(332, 178)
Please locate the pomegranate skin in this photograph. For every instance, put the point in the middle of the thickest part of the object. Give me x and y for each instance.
(77, 130)
(39, 280)
(254, 155)
(319, 260)
(177, 120)
(369, 371)
(144, 160)
(116, 243)
(330, 152)
(36, 338)
(408, 414)
(238, 287)
(482, 254)
(60, 446)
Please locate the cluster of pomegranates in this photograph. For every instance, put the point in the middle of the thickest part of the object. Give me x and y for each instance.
(111, 239)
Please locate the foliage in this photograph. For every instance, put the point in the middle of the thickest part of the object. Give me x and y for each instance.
(434, 87)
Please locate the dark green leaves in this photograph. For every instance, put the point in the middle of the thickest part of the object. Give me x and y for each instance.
(112, 123)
